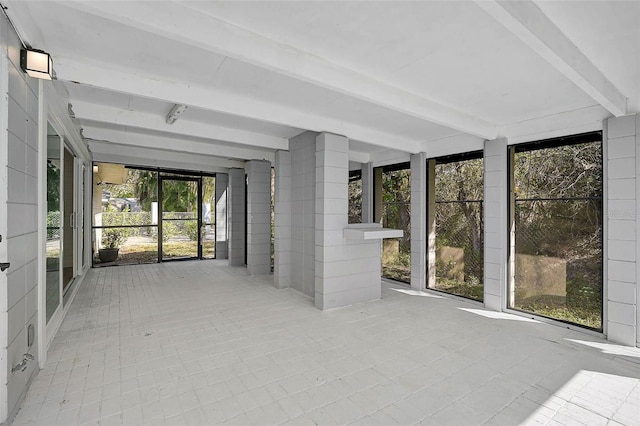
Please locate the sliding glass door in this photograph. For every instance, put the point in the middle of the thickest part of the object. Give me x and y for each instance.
(54, 224)
(64, 245)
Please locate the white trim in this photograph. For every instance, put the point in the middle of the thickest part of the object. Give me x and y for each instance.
(42, 226)
(4, 142)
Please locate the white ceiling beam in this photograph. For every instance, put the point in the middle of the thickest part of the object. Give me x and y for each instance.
(107, 152)
(168, 143)
(584, 120)
(455, 144)
(527, 22)
(359, 157)
(215, 35)
(144, 120)
(103, 76)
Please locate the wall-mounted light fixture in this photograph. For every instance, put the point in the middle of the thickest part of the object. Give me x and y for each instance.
(95, 168)
(175, 113)
(36, 63)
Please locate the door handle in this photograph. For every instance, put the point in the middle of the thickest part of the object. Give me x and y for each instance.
(4, 266)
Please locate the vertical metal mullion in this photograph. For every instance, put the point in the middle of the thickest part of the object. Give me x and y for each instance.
(160, 213)
(215, 216)
(511, 231)
(200, 211)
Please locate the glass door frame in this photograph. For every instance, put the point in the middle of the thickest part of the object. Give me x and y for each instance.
(185, 178)
(71, 218)
(509, 301)
(53, 321)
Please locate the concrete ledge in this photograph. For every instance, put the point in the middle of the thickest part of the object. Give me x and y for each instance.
(370, 231)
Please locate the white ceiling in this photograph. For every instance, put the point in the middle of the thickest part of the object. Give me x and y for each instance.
(396, 77)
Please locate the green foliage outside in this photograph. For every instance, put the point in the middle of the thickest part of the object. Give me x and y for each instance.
(355, 201)
(558, 215)
(53, 187)
(459, 188)
(180, 211)
(396, 213)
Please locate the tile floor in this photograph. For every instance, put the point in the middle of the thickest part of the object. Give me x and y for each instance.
(200, 343)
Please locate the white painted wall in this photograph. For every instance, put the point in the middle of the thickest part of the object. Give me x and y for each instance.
(18, 221)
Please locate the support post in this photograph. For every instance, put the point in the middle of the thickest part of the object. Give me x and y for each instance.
(258, 217)
(236, 206)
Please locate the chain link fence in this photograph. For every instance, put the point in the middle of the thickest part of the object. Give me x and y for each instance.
(459, 248)
(396, 252)
(558, 263)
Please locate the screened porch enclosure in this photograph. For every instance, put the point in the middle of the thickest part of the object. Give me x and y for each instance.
(148, 216)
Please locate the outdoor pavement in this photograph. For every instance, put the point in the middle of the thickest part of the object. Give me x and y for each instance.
(201, 343)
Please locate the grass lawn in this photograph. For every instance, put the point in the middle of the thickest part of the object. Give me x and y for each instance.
(557, 307)
(148, 253)
(460, 288)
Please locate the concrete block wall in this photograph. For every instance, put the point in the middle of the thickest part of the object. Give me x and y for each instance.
(282, 232)
(236, 219)
(495, 224)
(622, 156)
(419, 221)
(303, 197)
(222, 246)
(18, 221)
(258, 217)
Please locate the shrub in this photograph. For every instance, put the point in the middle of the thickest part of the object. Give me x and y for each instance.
(191, 229)
(114, 237)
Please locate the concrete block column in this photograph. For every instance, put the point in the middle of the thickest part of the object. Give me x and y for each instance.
(331, 217)
(495, 224)
(258, 217)
(367, 193)
(419, 189)
(303, 198)
(222, 183)
(622, 245)
(282, 243)
(236, 218)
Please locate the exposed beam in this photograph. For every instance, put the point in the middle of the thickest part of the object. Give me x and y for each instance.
(103, 76)
(143, 120)
(527, 22)
(108, 152)
(584, 120)
(360, 157)
(215, 35)
(168, 143)
(455, 144)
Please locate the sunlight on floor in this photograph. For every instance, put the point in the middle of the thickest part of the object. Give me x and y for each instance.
(416, 293)
(610, 348)
(498, 315)
(588, 398)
